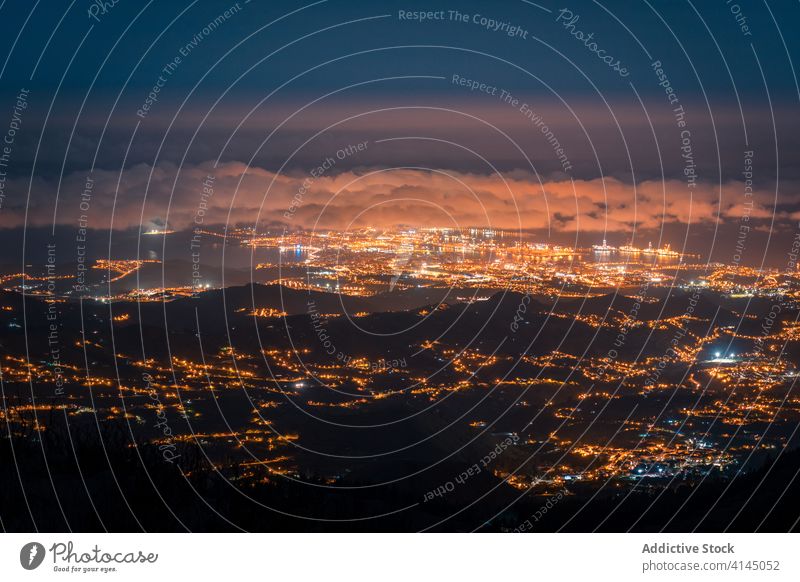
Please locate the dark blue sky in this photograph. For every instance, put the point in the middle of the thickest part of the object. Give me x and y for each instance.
(714, 70)
(665, 30)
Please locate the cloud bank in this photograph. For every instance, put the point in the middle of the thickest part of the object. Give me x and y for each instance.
(148, 196)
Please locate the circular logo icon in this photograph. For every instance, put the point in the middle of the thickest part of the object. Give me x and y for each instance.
(31, 555)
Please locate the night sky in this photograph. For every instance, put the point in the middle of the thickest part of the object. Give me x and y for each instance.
(571, 136)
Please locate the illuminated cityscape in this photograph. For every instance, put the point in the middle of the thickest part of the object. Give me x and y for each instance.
(605, 367)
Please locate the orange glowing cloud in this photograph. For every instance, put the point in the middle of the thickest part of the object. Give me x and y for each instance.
(166, 194)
